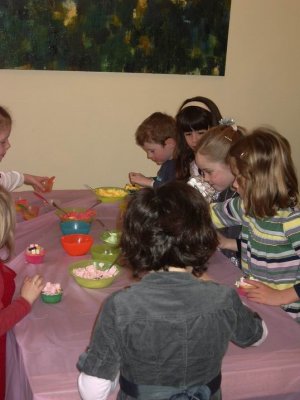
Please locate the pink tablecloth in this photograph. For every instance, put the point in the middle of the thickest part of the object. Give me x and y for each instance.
(44, 347)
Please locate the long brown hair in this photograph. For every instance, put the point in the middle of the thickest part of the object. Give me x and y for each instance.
(266, 172)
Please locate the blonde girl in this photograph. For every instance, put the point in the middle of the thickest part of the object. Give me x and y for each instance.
(267, 209)
(210, 158)
(211, 154)
(11, 312)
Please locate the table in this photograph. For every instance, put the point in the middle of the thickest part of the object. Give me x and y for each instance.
(44, 347)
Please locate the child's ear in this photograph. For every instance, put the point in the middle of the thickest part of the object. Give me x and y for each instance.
(170, 142)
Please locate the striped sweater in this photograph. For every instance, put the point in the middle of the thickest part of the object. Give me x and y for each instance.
(270, 248)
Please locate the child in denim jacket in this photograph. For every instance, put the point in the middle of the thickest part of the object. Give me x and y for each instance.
(168, 333)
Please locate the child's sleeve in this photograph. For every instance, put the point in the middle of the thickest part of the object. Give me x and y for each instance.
(13, 313)
(102, 358)
(291, 229)
(166, 173)
(93, 388)
(249, 329)
(11, 180)
(228, 213)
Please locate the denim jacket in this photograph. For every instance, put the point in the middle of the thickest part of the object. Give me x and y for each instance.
(169, 329)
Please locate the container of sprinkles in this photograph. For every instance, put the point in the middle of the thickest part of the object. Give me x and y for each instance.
(51, 293)
(35, 254)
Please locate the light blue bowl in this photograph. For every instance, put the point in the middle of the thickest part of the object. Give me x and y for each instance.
(71, 227)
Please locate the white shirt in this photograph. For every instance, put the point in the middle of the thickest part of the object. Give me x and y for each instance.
(11, 180)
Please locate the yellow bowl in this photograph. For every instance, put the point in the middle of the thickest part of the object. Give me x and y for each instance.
(110, 194)
(93, 283)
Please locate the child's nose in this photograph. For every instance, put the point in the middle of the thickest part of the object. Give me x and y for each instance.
(195, 138)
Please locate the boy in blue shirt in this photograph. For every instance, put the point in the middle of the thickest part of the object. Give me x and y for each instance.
(157, 137)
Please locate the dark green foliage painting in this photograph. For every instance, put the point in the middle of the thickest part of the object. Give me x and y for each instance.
(150, 36)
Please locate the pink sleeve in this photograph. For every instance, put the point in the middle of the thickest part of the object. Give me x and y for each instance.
(13, 313)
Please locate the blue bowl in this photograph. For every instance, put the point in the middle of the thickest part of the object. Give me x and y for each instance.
(71, 227)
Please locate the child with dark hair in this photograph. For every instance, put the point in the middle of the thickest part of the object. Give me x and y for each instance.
(268, 210)
(194, 117)
(157, 137)
(168, 333)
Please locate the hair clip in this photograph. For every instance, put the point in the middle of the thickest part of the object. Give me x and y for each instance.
(228, 122)
(228, 138)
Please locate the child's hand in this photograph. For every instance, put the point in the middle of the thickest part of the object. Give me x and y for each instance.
(32, 288)
(37, 182)
(140, 179)
(261, 293)
(226, 243)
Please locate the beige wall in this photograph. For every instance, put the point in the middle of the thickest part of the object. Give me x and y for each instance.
(79, 126)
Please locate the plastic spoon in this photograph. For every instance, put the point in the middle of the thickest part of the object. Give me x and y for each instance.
(51, 203)
(102, 223)
(89, 187)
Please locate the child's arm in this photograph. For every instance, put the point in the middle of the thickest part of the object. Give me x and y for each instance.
(11, 180)
(228, 213)
(37, 182)
(261, 293)
(93, 388)
(227, 243)
(21, 306)
(140, 179)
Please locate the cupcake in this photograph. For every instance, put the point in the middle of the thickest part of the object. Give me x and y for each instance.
(52, 293)
(241, 284)
(35, 254)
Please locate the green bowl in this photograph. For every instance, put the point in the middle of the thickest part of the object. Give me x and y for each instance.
(104, 252)
(92, 283)
(51, 299)
(111, 237)
(109, 196)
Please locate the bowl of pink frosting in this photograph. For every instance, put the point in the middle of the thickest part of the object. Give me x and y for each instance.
(94, 274)
(51, 293)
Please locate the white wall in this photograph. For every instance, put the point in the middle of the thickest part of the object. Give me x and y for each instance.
(79, 126)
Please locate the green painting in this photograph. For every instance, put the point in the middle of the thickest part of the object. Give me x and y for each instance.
(140, 36)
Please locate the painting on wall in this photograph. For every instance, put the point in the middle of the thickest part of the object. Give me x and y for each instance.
(140, 36)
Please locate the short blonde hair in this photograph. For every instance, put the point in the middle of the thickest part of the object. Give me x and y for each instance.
(266, 172)
(7, 222)
(216, 142)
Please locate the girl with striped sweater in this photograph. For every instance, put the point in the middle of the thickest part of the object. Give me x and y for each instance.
(267, 209)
